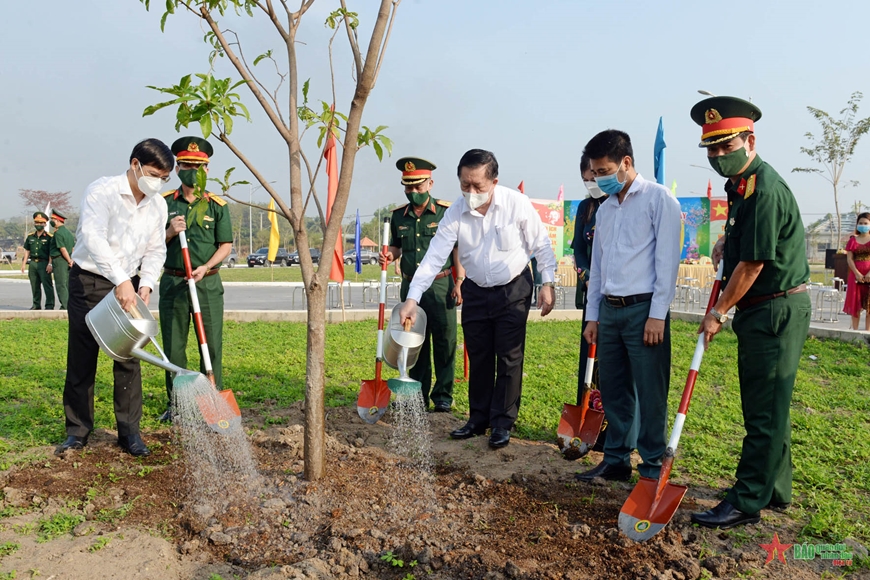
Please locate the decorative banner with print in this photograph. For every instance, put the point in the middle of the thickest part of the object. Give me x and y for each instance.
(703, 224)
(553, 218)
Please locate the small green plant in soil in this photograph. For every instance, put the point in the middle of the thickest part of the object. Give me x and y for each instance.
(59, 524)
(99, 544)
(8, 548)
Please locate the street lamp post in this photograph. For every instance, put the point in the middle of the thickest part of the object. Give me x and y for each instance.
(708, 93)
(702, 167)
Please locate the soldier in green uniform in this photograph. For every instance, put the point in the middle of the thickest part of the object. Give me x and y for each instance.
(37, 246)
(412, 227)
(62, 243)
(765, 274)
(205, 218)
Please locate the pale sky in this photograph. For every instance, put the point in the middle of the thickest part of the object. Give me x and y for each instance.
(531, 81)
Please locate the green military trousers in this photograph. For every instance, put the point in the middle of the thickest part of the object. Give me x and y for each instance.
(440, 309)
(40, 280)
(60, 270)
(770, 339)
(176, 312)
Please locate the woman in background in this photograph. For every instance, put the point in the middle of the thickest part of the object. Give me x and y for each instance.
(858, 258)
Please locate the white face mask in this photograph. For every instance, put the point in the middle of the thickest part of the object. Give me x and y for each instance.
(148, 185)
(475, 200)
(593, 189)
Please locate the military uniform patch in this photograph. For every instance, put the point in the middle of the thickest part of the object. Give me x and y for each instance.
(741, 188)
(750, 186)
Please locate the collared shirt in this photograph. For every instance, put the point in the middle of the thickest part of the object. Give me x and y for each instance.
(202, 240)
(637, 248)
(494, 248)
(413, 233)
(116, 236)
(764, 224)
(39, 245)
(62, 238)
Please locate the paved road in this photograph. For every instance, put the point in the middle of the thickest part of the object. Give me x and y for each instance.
(15, 295)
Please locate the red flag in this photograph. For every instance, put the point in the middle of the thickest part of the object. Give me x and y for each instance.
(561, 196)
(336, 274)
(709, 189)
(522, 187)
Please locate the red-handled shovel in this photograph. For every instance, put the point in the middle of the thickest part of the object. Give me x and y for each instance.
(580, 425)
(652, 503)
(221, 418)
(374, 395)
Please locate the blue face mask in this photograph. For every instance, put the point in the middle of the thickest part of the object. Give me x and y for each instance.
(862, 229)
(610, 184)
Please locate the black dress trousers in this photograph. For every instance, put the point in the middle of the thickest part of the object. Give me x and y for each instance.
(494, 324)
(86, 289)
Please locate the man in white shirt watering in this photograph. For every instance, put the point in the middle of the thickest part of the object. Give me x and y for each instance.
(120, 249)
(497, 230)
(635, 260)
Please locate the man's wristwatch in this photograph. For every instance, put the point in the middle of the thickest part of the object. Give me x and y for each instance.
(549, 284)
(460, 278)
(720, 318)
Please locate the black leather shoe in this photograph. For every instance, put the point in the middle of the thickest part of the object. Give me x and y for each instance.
(72, 442)
(469, 430)
(133, 445)
(166, 417)
(499, 438)
(724, 516)
(442, 407)
(606, 471)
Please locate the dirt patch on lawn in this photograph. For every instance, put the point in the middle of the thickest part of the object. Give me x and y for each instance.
(512, 513)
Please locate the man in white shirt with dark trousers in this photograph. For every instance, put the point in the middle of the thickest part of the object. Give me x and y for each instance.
(635, 259)
(497, 230)
(121, 248)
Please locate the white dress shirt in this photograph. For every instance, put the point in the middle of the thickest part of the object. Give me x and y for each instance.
(637, 248)
(493, 248)
(116, 236)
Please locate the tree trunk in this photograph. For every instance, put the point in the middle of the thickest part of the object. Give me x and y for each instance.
(314, 383)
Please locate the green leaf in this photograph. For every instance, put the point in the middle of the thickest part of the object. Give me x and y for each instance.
(378, 151)
(228, 124)
(305, 86)
(387, 143)
(205, 125)
(267, 54)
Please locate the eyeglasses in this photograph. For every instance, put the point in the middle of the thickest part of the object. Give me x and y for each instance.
(164, 178)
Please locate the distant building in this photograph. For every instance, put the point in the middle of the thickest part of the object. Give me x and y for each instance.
(822, 235)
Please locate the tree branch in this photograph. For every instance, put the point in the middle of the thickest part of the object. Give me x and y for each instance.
(246, 75)
(354, 45)
(386, 40)
(273, 96)
(292, 218)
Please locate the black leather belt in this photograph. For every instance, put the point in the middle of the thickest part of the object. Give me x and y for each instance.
(438, 276)
(183, 274)
(745, 303)
(620, 301)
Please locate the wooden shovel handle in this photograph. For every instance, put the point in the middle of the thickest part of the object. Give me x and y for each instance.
(407, 325)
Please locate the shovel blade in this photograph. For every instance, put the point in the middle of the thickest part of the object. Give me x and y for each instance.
(638, 519)
(373, 400)
(220, 411)
(578, 431)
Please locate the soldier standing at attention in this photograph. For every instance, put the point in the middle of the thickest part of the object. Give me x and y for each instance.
(62, 244)
(206, 220)
(765, 274)
(37, 246)
(412, 228)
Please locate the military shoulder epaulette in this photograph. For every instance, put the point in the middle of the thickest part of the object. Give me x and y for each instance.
(443, 203)
(402, 207)
(168, 193)
(218, 200)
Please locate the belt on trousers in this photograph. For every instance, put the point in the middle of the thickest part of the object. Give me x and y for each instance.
(620, 301)
(438, 276)
(182, 274)
(745, 303)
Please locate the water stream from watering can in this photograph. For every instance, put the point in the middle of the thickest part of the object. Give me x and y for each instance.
(411, 437)
(221, 467)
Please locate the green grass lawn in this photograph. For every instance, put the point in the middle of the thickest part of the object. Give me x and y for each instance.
(266, 362)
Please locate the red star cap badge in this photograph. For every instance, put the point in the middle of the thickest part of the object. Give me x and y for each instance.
(775, 549)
